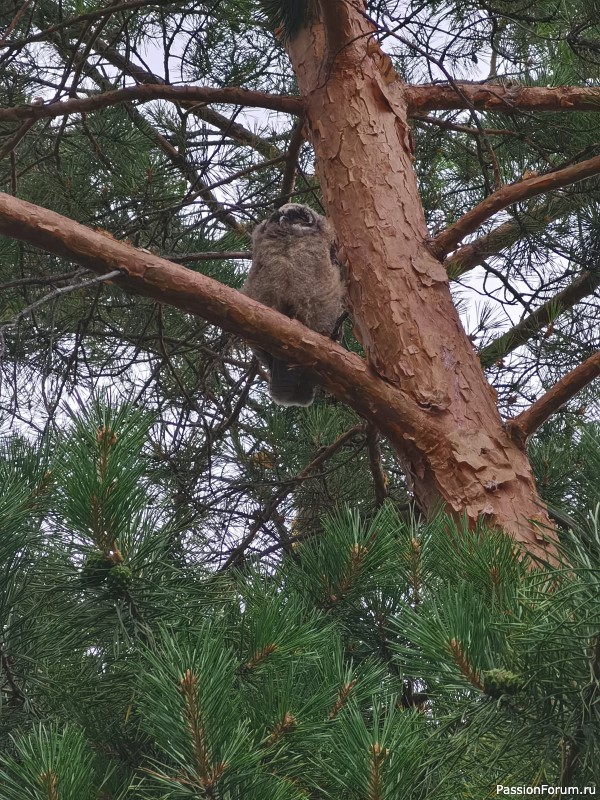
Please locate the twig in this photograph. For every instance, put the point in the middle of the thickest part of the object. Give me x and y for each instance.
(439, 63)
(17, 692)
(57, 293)
(14, 22)
(64, 276)
(227, 126)
(520, 428)
(246, 171)
(287, 488)
(454, 126)
(14, 140)
(533, 220)
(374, 451)
(210, 255)
(572, 748)
(90, 16)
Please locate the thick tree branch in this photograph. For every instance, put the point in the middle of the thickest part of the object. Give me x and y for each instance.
(446, 241)
(342, 373)
(147, 92)
(520, 428)
(583, 285)
(510, 99)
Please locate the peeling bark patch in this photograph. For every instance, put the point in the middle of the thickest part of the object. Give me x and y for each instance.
(448, 359)
(430, 270)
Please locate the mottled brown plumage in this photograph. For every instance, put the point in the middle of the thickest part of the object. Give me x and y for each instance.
(294, 270)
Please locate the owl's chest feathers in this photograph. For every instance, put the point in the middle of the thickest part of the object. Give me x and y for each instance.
(295, 275)
(298, 255)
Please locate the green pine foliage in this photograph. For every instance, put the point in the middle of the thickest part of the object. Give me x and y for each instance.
(379, 658)
(287, 16)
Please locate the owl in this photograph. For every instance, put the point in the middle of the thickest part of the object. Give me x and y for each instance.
(295, 271)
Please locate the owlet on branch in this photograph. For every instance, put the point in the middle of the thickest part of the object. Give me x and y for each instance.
(295, 271)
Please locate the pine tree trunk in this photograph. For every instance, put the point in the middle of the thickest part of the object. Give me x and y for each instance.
(399, 292)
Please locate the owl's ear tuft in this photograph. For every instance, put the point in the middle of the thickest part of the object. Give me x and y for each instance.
(286, 18)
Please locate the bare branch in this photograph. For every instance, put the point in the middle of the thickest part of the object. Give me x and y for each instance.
(228, 126)
(520, 428)
(145, 93)
(212, 255)
(374, 451)
(178, 159)
(57, 293)
(510, 99)
(455, 126)
(446, 241)
(285, 490)
(89, 17)
(65, 276)
(14, 22)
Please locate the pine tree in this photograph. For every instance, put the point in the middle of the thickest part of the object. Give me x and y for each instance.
(201, 594)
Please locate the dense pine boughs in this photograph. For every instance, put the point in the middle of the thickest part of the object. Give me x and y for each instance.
(372, 661)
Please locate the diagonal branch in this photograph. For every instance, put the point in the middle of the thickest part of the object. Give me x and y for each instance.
(521, 333)
(520, 428)
(111, 8)
(343, 374)
(505, 235)
(147, 92)
(178, 159)
(287, 488)
(446, 241)
(228, 126)
(374, 452)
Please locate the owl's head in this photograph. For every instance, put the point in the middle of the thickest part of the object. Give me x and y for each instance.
(296, 218)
